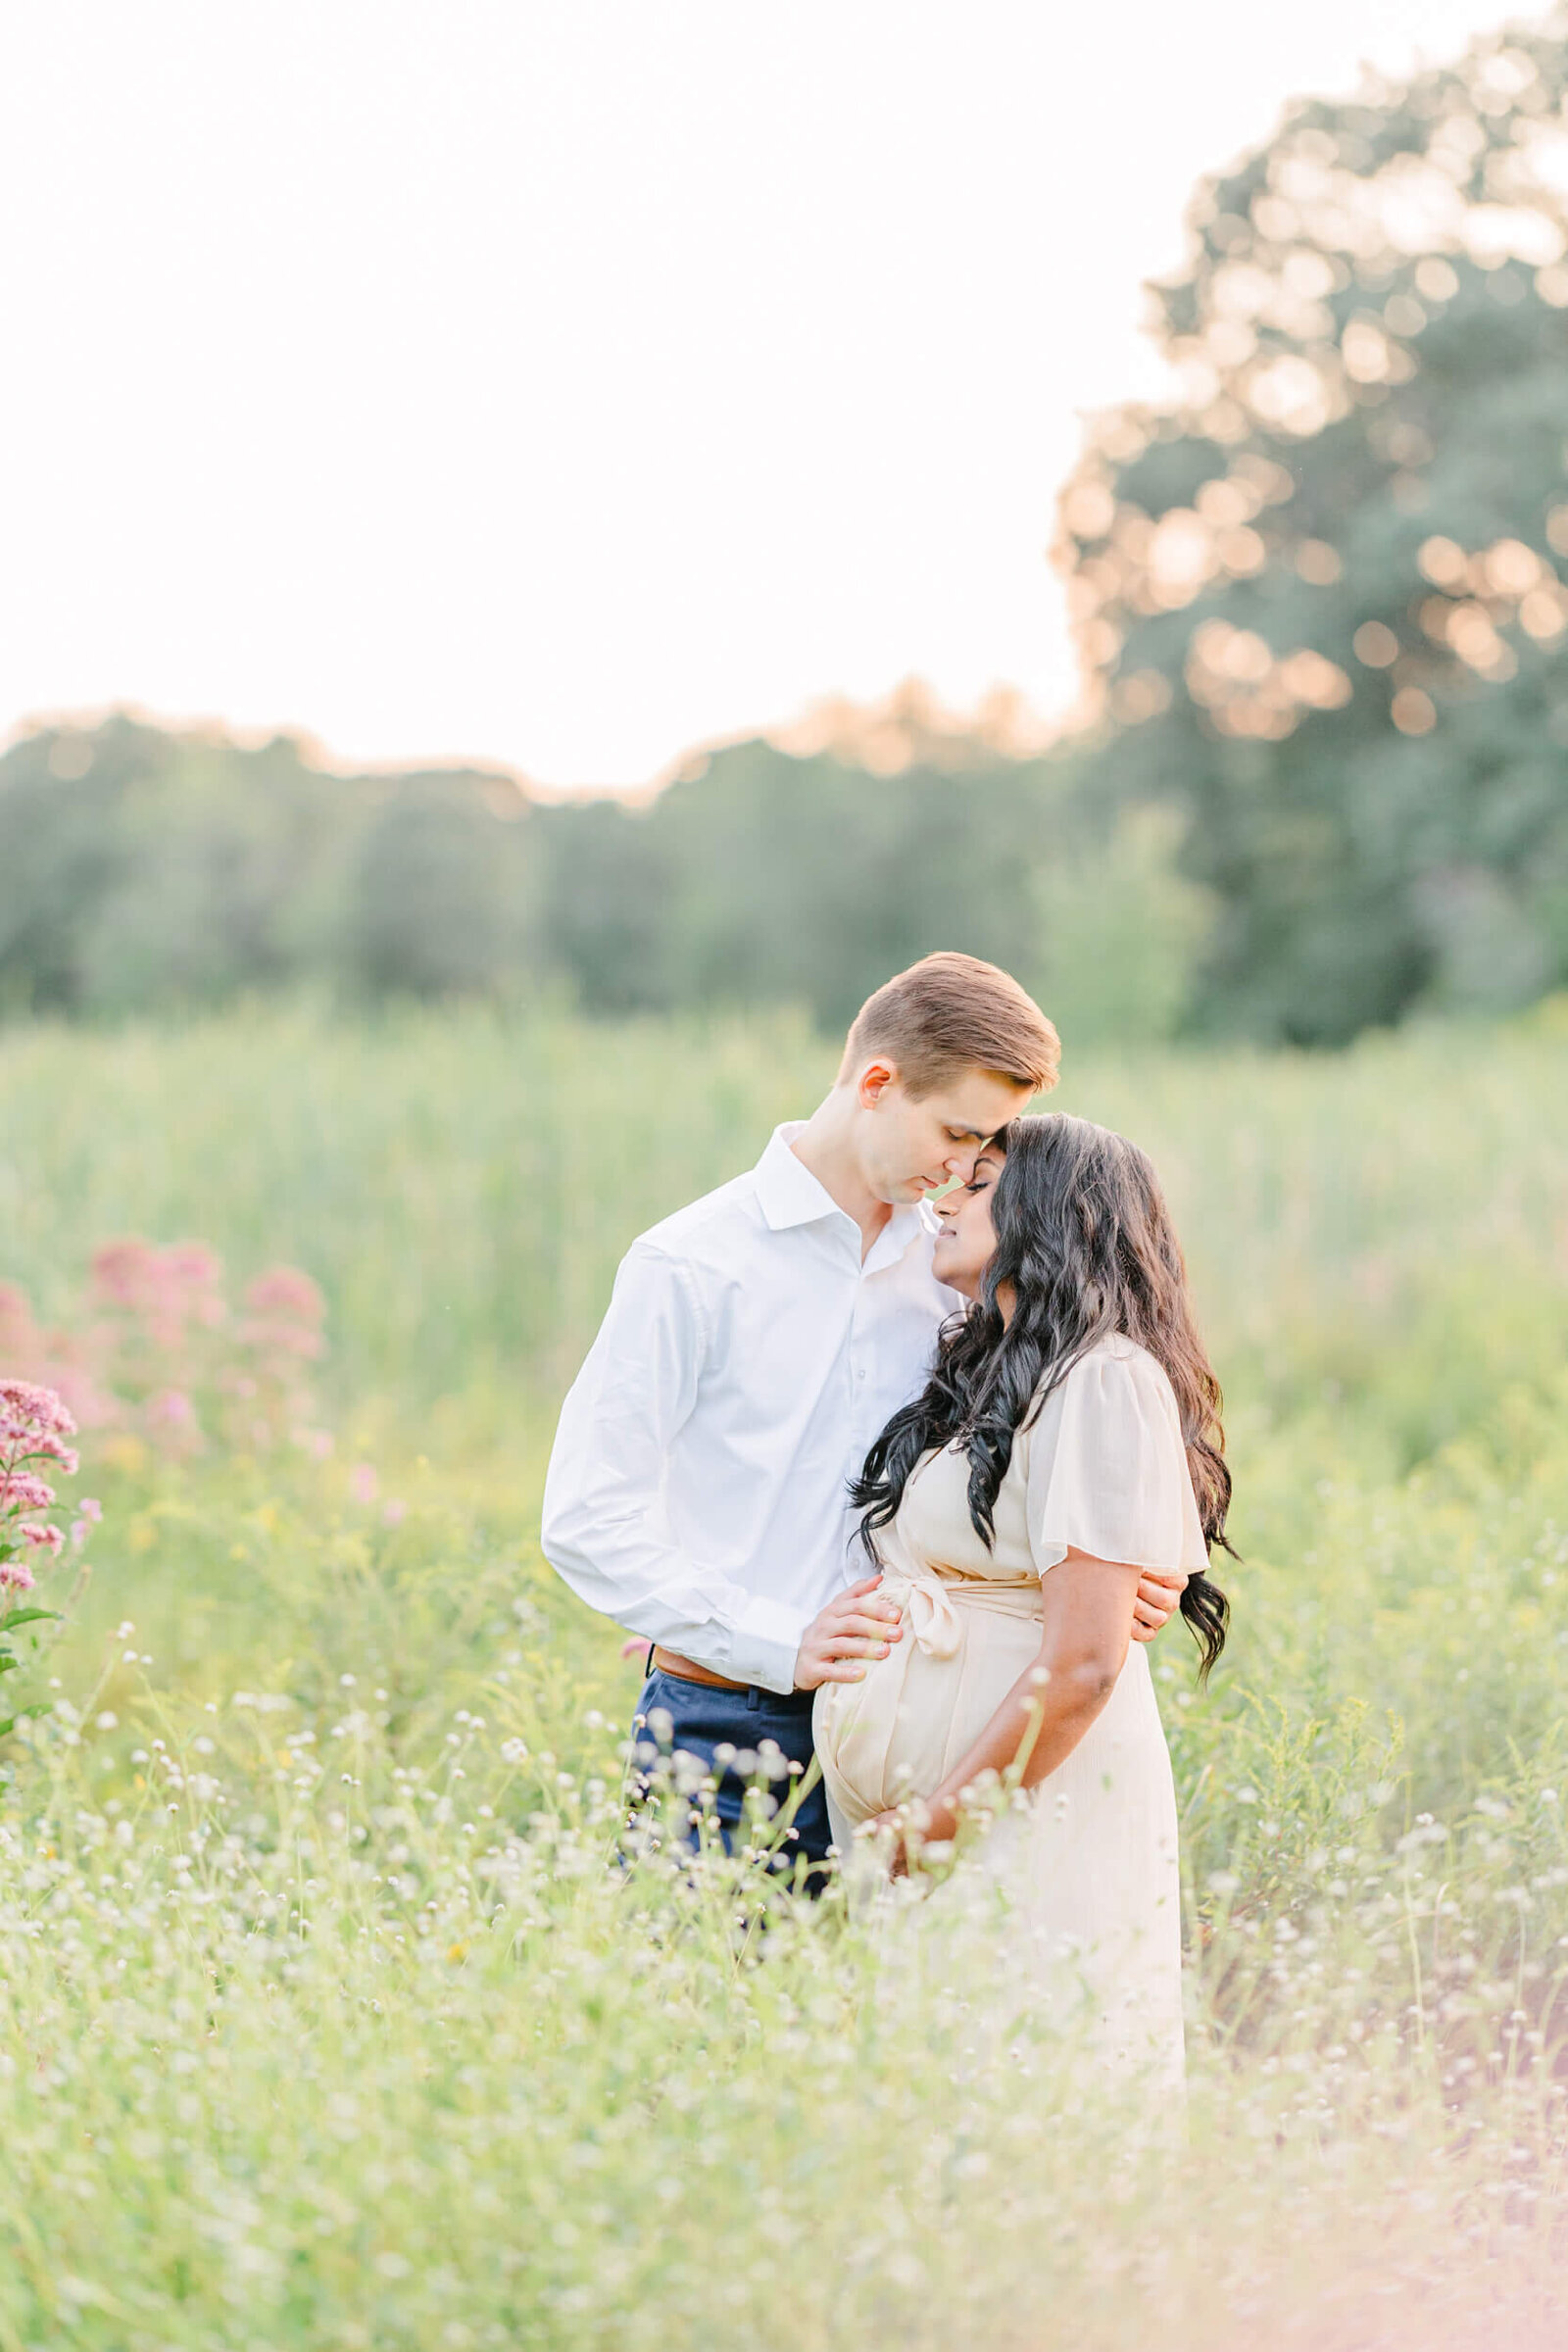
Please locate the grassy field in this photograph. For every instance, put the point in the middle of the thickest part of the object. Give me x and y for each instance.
(327, 2022)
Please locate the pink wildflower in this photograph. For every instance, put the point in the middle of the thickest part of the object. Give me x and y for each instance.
(92, 1510)
(196, 1273)
(28, 1410)
(194, 1265)
(395, 1513)
(47, 1448)
(125, 1273)
(172, 1423)
(52, 1360)
(284, 1290)
(41, 1538)
(17, 1574)
(164, 1290)
(19, 1491)
(363, 1483)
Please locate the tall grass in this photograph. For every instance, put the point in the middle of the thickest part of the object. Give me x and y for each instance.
(464, 1184)
(327, 2022)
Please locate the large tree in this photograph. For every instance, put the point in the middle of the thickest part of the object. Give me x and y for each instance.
(1318, 596)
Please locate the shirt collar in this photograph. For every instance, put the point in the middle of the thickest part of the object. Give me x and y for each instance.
(790, 1194)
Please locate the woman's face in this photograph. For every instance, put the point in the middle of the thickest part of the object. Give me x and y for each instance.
(968, 1242)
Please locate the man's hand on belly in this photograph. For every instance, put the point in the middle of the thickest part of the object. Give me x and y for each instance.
(854, 1625)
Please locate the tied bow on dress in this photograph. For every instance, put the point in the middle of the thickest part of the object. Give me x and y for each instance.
(922, 1601)
(930, 1598)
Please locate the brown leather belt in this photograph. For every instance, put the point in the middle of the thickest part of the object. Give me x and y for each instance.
(687, 1670)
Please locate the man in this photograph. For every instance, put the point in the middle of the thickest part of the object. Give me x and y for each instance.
(756, 1342)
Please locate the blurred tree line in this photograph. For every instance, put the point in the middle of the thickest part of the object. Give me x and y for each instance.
(146, 869)
(1320, 605)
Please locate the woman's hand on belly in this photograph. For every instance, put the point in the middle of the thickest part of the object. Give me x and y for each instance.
(917, 1824)
(1086, 1626)
(891, 1825)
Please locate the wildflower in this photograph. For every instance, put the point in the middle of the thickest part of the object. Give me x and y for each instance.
(285, 1290)
(28, 1410)
(21, 1491)
(172, 1421)
(195, 1268)
(42, 1537)
(17, 1574)
(47, 1448)
(395, 1513)
(286, 1310)
(122, 1272)
(363, 1483)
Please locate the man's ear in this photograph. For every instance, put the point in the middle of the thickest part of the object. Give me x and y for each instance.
(875, 1081)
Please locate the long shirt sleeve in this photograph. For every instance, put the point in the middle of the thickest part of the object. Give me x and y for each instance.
(608, 1525)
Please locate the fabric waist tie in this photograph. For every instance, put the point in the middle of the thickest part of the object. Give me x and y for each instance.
(931, 1602)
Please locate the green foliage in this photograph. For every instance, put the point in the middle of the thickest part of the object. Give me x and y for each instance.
(1321, 595)
(1122, 933)
(143, 871)
(766, 879)
(439, 897)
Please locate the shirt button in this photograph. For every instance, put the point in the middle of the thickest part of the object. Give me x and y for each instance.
(860, 1372)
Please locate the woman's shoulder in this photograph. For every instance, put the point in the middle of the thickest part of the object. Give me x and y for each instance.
(1116, 1371)
(1107, 1468)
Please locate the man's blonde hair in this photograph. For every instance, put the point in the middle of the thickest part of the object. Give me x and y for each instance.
(950, 1014)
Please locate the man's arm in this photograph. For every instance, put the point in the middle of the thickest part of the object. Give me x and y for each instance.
(605, 1528)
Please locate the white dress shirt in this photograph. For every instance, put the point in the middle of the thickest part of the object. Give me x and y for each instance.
(696, 1489)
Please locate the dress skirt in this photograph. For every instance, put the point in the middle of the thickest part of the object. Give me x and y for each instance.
(1085, 1862)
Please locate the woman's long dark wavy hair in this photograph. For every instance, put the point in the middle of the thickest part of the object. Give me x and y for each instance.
(1085, 1241)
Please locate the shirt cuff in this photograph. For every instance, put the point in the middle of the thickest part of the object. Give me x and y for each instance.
(765, 1643)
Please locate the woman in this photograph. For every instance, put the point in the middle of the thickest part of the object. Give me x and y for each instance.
(1068, 1439)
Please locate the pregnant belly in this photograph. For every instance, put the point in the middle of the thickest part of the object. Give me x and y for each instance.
(897, 1734)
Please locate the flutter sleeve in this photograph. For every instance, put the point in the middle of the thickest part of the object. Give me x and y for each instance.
(1107, 1470)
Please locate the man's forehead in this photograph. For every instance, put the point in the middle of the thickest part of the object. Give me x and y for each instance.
(979, 1102)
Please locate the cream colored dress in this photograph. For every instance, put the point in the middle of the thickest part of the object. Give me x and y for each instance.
(1087, 1860)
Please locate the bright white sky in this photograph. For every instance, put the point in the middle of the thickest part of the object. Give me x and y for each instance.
(561, 382)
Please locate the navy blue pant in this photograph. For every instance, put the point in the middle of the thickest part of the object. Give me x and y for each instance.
(703, 1719)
